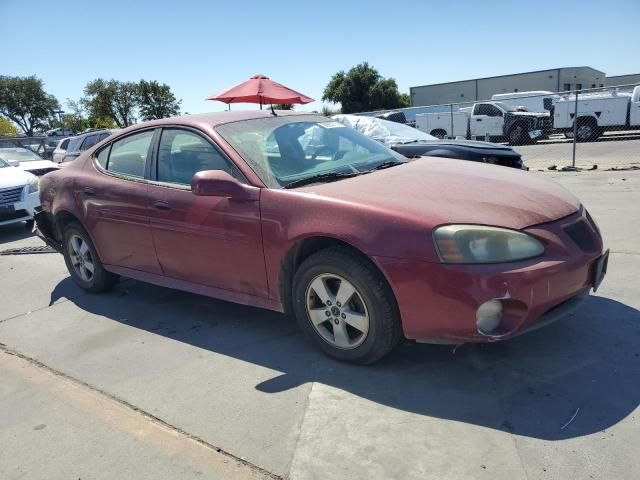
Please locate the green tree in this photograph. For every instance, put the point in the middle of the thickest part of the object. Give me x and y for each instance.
(111, 99)
(363, 89)
(75, 118)
(156, 101)
(24, 102)
(7, 129)
(283, 106)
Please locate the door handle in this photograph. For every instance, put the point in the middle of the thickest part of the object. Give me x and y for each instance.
(162, 205)
(89, 191)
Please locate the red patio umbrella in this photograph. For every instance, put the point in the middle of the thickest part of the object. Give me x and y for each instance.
(260, 89)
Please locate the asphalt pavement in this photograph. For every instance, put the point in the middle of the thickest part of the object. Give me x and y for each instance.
(147, 382)
(613, 150)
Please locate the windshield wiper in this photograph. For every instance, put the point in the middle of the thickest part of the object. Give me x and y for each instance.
(321, 177)
(383, 165)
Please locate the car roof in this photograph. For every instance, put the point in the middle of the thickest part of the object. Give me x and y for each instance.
(213, 119)
(95, 132)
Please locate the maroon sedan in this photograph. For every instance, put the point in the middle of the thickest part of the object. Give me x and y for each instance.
(297, 213)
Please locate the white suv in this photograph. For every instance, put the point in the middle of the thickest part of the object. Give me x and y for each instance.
(19, 196)
(60, 150)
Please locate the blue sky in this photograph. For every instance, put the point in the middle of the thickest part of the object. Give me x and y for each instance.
(202, 47)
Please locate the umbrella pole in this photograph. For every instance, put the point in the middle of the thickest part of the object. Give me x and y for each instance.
(260, 103)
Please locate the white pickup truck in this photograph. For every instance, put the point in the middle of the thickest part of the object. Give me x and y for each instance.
(495, 120)
(597, 113)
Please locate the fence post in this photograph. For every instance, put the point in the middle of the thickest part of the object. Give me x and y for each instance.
(575, 131)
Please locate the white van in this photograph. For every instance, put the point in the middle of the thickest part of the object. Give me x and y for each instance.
(535, 101)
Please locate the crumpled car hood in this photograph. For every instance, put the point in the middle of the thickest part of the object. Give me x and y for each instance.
(465, 143)
(441, 191)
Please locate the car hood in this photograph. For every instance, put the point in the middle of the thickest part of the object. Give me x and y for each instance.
(444, 191)
(14, 177)
(37, 165)
(464, 143)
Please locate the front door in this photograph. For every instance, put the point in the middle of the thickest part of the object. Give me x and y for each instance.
(114, 203)
(211, 241)
(486, 120)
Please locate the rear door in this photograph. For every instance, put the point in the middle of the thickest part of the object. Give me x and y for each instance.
(211, 241)
(114, 199)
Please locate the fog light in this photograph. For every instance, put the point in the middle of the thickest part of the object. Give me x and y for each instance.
(488, 316)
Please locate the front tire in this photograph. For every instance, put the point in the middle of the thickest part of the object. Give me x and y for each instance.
(518, 135)
(83, 262)
(344, 304)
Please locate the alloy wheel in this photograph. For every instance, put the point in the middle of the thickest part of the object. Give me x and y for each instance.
(80, 256)
(337, 311)
(585, 132)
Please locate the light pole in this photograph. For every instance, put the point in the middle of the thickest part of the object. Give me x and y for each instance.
(59, 113)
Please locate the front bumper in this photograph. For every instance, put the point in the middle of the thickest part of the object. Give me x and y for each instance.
(438, 302)
(20, 211)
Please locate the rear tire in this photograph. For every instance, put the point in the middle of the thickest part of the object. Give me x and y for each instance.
(588, 131)
(344, 304)
(439, 134)
(83, 262)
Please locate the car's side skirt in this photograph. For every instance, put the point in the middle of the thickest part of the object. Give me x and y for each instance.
(213, 292)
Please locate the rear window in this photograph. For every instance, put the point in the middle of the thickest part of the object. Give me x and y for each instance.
(74, 143)
(89, 142)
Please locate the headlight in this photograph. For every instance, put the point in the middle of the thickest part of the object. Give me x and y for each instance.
(478, 244)
(34, 185)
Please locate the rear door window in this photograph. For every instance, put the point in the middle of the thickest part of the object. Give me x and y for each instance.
(128, 156)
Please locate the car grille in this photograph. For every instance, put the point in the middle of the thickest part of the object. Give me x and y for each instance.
(9, 196)
(580, 233)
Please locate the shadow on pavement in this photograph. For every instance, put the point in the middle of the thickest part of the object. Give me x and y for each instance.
(530, 386)
(14, 232)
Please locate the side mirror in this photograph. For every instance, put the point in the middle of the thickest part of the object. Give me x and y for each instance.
(217, 183)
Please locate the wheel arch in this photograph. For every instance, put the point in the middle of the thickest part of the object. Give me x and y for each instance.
(64, 217)
(303, 249)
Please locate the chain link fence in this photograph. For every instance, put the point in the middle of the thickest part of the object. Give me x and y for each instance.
(43, 146)
(595, 128)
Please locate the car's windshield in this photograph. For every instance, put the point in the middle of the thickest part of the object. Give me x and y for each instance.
(385, 131)
(287, 149)
(18, 155)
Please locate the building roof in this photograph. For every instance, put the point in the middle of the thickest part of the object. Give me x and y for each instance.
(507, 75)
